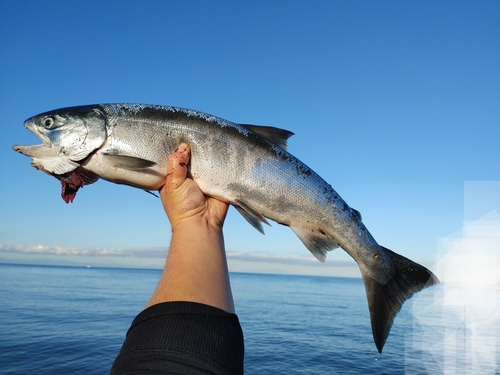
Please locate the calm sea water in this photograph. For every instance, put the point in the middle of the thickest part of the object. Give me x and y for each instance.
(67, 320)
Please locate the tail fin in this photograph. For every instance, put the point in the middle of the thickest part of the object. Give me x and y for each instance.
(385, 301)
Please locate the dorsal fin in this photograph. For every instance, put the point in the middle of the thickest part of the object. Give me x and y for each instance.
(274, 135)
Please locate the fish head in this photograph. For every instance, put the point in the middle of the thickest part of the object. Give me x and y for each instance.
(68, 136)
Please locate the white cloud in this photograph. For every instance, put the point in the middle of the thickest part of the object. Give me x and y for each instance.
(82, 251)
(161, 252)
(306, 260)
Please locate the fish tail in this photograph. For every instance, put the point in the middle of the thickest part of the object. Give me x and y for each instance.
(385, 301)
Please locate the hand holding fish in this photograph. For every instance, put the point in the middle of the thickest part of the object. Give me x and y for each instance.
(182, 198)
(196, 268)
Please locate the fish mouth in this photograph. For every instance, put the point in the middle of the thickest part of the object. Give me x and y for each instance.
(39, 150)
(29, 124)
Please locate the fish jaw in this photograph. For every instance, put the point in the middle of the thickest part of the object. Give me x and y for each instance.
(47, 159)
(36, 151)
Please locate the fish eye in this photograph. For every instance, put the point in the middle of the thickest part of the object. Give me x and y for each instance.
(48, 122)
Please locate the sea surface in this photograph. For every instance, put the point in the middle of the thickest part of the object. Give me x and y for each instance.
(73, 320)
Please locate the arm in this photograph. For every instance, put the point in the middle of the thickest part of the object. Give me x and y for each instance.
(196, 266)
(189, 325)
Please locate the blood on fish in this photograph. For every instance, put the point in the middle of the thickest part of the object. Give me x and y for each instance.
(69, 185)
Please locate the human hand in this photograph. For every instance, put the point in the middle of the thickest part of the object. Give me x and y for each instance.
(183, 200)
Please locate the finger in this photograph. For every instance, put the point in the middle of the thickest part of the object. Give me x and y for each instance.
(177, 167)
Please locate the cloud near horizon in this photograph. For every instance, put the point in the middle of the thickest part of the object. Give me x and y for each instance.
(152, 252)
(161, 252)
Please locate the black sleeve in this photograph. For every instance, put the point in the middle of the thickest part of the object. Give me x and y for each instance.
(182, 338)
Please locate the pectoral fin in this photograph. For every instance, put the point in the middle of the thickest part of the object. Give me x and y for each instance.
(88, 177)
(127, 162)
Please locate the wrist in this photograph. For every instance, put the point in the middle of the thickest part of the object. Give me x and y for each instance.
(197, 226)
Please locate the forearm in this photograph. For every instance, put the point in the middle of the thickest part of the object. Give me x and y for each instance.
(196, 267)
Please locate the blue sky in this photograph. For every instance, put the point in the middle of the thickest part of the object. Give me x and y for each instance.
(395, 104)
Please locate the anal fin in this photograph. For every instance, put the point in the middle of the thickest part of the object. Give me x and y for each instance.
(316, 242)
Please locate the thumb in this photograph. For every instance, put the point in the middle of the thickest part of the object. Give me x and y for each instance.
(177, 167)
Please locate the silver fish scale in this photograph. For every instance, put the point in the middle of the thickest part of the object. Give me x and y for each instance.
(265, 178)
(151, 112)
(292, 194)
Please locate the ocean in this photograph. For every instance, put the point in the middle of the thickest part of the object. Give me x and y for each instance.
(73, 320)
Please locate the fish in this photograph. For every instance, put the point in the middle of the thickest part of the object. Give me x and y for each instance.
(247, 166)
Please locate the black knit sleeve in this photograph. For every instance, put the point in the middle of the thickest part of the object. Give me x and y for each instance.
(182, 338)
